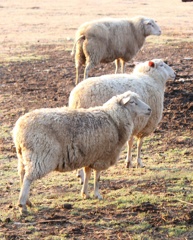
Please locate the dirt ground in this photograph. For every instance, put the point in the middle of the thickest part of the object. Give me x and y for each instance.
(44, 31)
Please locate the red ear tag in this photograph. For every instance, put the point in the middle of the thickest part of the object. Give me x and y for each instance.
(151, 64)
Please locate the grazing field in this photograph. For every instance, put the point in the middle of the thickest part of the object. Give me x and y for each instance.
(37, 70)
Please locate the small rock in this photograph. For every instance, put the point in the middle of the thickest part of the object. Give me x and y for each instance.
(67, 206)
(7, 220)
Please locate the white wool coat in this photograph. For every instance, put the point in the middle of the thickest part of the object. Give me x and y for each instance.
(147, 81)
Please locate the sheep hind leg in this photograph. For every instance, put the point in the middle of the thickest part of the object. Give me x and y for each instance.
(129, 153)
(139, 146)
(21, 174)
(88, 67)
(77, 73)
(24, 193)
(96, 185)
(87, 175)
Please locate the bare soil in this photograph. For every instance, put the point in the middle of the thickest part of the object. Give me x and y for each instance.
(47, 82)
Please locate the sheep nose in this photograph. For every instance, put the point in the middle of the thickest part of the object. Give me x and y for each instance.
(149, 111)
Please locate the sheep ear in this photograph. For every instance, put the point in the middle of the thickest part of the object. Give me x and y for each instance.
(147, 21)
(125, 100)
(151, 64)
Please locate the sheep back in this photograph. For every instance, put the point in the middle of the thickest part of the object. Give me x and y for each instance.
(95, 91)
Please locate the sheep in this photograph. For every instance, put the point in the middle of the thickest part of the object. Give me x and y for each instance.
(148, 80)
(109, 39)
(64, 139)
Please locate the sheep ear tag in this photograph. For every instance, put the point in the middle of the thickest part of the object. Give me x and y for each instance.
(151, 64)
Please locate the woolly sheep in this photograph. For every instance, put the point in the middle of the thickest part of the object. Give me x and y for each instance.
(109, 39)
(148, 80)
(65, 139)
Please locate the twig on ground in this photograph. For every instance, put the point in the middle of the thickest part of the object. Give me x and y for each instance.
(185, 202)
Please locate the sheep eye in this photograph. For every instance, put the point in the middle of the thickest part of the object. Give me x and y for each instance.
(131, 102)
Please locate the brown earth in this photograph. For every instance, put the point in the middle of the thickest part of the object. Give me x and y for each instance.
(46, 83)
(26, 85)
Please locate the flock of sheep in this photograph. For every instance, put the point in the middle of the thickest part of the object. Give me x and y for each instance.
(104, 113)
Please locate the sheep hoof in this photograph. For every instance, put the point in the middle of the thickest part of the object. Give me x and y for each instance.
(23, 210)
(140, 165)
(129, 165)
(85, 196)
(81, 182)
(99, 197)
(29, 203)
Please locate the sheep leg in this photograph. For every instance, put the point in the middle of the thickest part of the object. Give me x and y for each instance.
(117, 64)
(80, 174)
(21, 175)
(88, 67)
(21, 172)
(24, 193)
(129, 153)
(77, 74)
(96, 185)
(87, 175)
(122, 62)
(139, 145)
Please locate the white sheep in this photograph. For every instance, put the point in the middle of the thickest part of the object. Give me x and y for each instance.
(65, 139)
(106, 40)
(148, 80)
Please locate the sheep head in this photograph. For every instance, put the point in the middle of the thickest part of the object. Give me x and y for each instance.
(151, 27)
(133, 102)
(157, 69)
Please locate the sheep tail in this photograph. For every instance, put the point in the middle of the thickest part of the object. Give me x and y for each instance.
(74, 46)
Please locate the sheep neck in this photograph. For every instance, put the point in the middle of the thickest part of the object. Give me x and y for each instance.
(122, 122)
(138, 36)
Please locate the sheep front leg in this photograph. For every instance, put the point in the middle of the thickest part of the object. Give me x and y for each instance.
(117, 64)
(87, 174)
(139, 145)
(129, 153)
(23, 197)
(96, 185)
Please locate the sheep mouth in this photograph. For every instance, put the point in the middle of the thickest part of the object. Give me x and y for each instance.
(148, 114)
(158, 33)
(173, 77)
